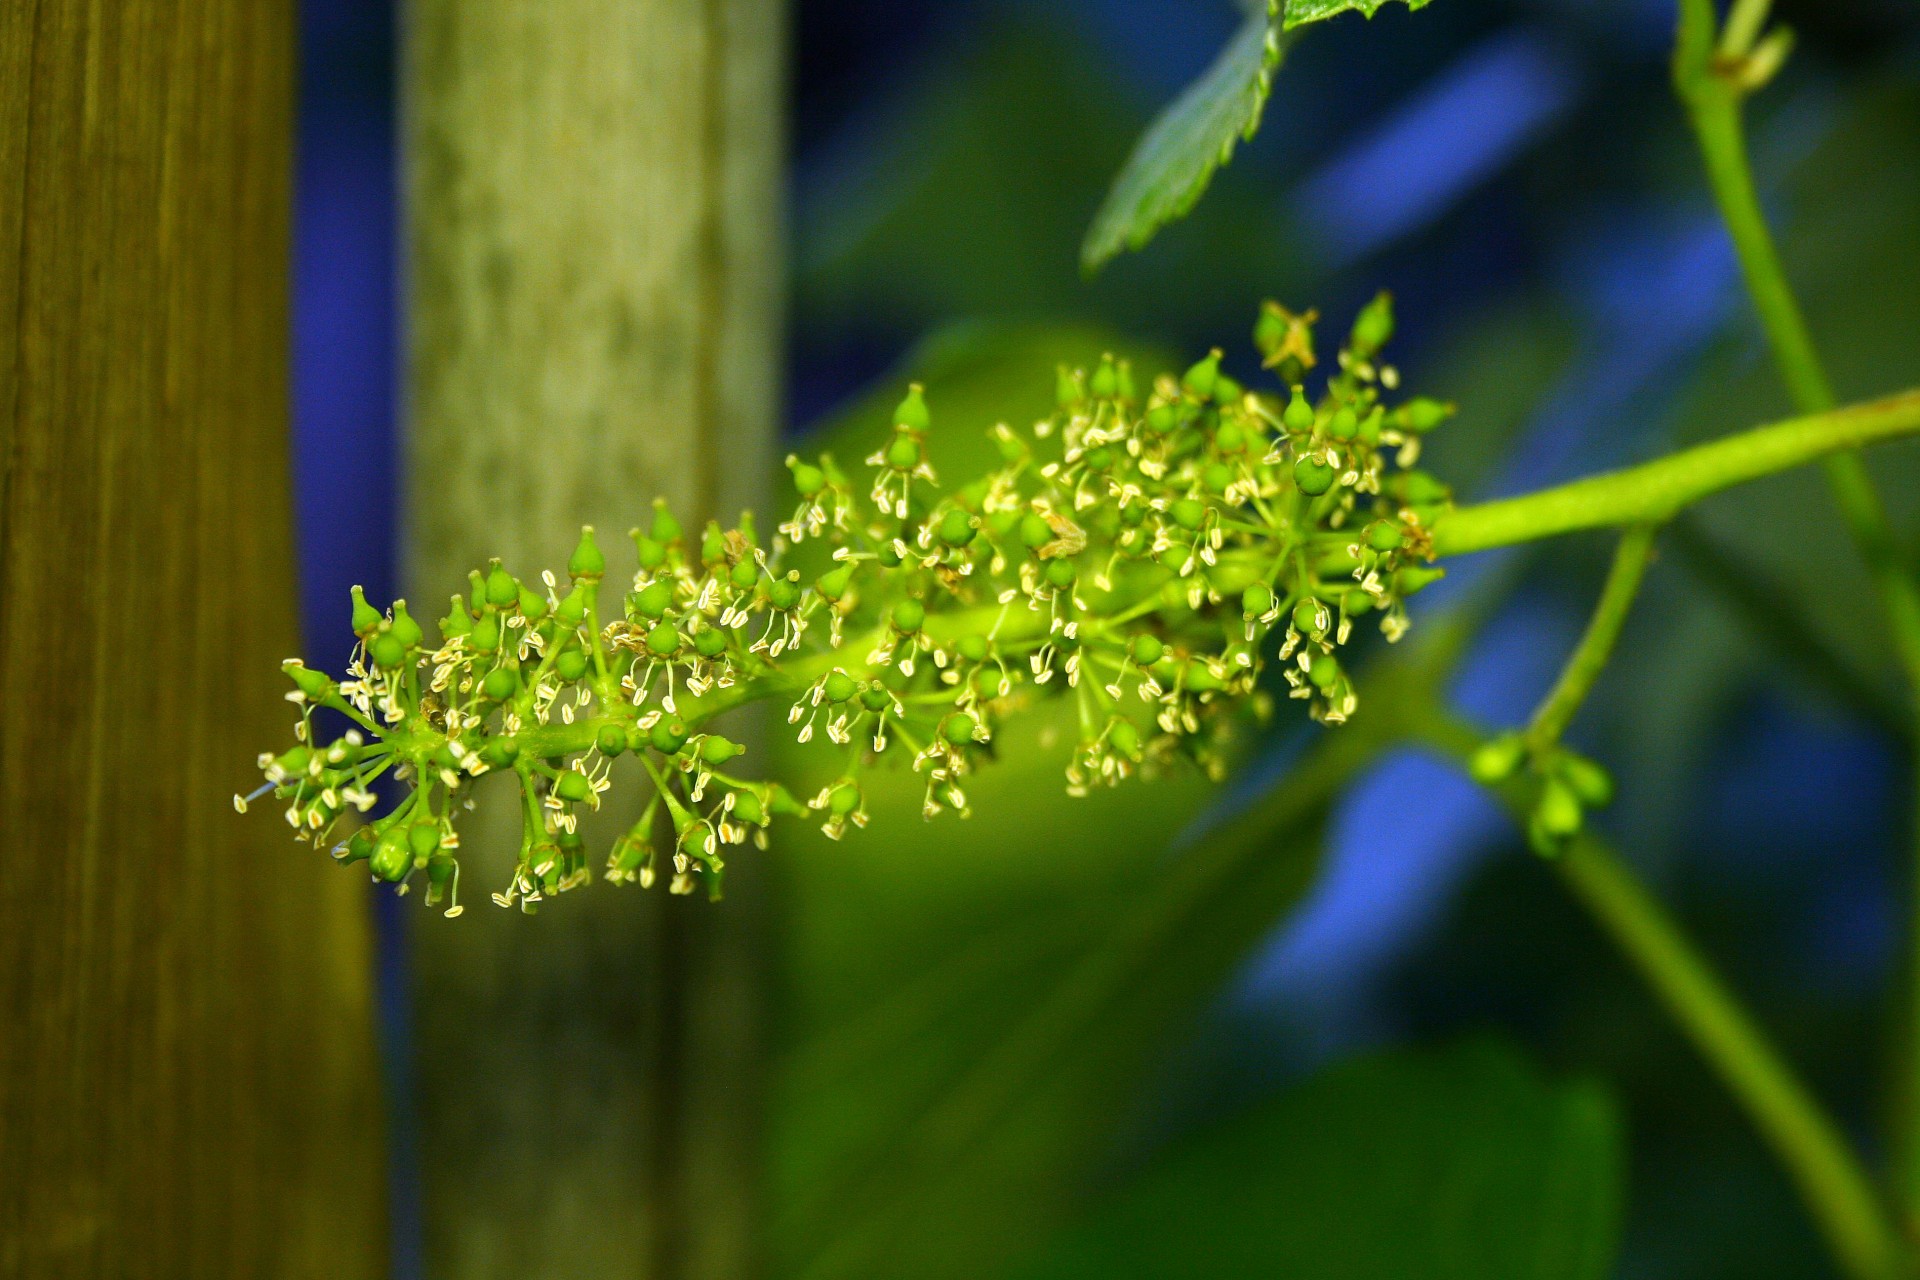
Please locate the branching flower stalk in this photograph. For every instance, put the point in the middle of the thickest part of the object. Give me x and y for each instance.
(1147, 557)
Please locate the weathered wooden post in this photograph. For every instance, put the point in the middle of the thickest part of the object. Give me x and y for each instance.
(592, 194)
(187, 1083)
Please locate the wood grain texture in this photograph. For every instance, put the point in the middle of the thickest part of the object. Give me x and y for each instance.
(592, 190)
(187, 1079)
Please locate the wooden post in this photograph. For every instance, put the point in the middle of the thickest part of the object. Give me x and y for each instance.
(592, 191)
(187, 1078)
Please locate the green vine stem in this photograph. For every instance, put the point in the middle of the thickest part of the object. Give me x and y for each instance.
(1653, 491)
(1590, 658)
(1713, 74)
(1836, 1188)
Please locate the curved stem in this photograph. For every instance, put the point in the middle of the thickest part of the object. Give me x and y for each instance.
(1653, 491)
(1707, 82)
(1590, 657)
(1830, 1178)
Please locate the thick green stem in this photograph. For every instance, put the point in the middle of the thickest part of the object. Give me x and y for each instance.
(1588, 660)
(1653, 491)
(1831, 1180)
(1707, 81)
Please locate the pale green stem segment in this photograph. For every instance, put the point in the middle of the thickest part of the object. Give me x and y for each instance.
(1805, 1139)
(1596, 646)
(1653, 491)
(1707, 76)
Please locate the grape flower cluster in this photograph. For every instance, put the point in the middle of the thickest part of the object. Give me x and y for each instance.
(1147, 556)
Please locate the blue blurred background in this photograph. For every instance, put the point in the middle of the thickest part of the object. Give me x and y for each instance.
(1518, 174)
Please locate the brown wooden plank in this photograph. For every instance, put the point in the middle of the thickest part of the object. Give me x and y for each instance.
(593, 195)
(187, 1082)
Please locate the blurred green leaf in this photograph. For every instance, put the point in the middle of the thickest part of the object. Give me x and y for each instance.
(1463, 1163)
(1175, 159)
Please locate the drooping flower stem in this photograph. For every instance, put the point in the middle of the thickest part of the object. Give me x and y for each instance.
(1715, 68)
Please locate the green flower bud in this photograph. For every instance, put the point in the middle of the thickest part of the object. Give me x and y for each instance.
(1162, 417)
(1323, 672)
(1060, 574)
(651, 554)
(663, 640)
(1067, 388)
(502, 590)
(1145, 650)
(874, 696)
(611, 740)
(1558, 811)
(1415, 578)
(665, 528)
(1226, 390)
(807, 478)
(958, 728)
(1307, 618)
(911, 412)
(1312, 476)
(571, 664)
(1256, 600)
(1217, 477)
(973, 648)
(1200, 677)
(500, 684)
(838, 686)
(1188, 513)
(904, 454)
(458, 621)
(1035, 532)
(908, 615)
(1384, 536)
(315, 684)
(713, 544)
(366, 618)
(1496, 759)
(1421, 414)
(1356, 603)
(423, 840)
(1105, 382)
(500, 753)
(387, 651)
(1374, 325)
(439, 868)
(1230, 438)
(832, 584)
(749, 808)
(405, 629)
(1343, 425)
(1124, 737)
(716, 750)
(957, 528)
(668, 736)
(572, 787)
(1298, 416)
(1198, 380)
(586, 560)
(360, 846)
(844, 798)
(572, 609)
(533, 605)
(709, 642)
(392, 857)
(1370, 426)
(485, 636)
(744, 574)
(1590, 784)
(651, 599)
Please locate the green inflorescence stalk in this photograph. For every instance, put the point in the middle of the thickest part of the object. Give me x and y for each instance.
(1715, 68)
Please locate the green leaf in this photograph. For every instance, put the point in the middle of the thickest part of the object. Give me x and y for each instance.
(1174, 160)
(1461, 1163)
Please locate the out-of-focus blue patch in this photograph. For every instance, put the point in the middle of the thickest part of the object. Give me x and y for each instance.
(1449, 136)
